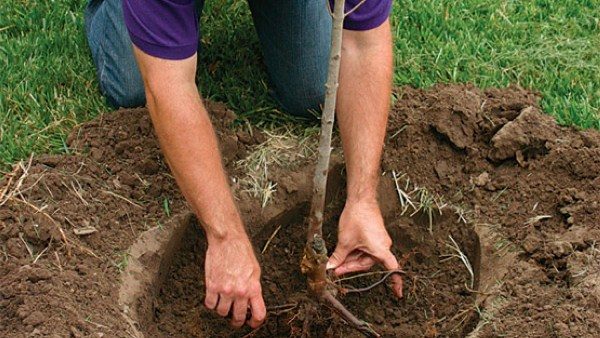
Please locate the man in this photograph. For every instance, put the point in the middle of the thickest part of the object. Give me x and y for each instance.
(158, 69)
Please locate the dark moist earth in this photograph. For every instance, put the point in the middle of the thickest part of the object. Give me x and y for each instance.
(437, 300)
(67, 222)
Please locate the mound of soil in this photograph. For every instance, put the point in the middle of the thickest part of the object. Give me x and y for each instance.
(530, 188)
(67, 222)
(533, 185)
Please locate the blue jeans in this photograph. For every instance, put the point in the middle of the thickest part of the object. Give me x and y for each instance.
(294, 37)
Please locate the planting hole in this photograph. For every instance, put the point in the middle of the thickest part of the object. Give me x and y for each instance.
(438, 286)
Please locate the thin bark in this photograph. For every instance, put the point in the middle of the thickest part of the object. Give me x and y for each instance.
(327, 120)
(315, 252)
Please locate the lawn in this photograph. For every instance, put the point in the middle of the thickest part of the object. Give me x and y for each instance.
(47, 81)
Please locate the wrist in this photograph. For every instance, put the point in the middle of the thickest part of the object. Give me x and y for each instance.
(222, 225)
(364, 212)
(219, 217)
(222, 234)
(363, 196)
(362, 185)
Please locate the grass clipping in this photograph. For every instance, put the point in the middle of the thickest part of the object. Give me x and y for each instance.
(284, 148)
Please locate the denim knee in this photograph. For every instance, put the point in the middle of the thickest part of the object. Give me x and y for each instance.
(295, 38)
(123, 94)
(303, 100)
(118, 74)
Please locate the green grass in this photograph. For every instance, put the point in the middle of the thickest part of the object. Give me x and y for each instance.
(546, 45)
(47, 81)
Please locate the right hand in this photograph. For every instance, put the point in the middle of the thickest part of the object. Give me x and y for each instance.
(233, 280)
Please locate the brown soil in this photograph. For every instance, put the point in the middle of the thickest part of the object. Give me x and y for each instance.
(55, 282)
(437, 298)
(532, 186)
(529, 188)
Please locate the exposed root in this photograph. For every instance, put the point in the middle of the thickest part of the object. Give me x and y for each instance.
(58, 263)
(87, 251)
(280, 309)
(313, 265)
(308, 316)
(360, 325)
(78, 194)
(253, 332)
(371, 273)
(463, 314)
(367, 288)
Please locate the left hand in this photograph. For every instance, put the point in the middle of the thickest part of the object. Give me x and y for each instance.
(363, 241)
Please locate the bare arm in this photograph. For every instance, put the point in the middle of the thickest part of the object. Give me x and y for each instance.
(189, 144)
(363, 104)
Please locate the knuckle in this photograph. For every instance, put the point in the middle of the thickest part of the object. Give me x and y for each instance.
(227, 289)
(239, 292)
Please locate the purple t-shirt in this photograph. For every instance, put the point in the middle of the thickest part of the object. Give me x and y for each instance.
(168, 29)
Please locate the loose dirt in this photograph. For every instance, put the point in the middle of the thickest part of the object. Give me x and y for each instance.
(96, 243)
(437, 299)
(531, 186)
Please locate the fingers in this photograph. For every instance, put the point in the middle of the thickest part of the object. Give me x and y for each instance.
(338, 256)
(224, 305)
(211, 299)
(390, 262)
(237, 304)
(397, 284)
(259, 311)
(360, 263)
(240, 308)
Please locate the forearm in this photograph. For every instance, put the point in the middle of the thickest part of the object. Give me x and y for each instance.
(363, 104)
(190, 147)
